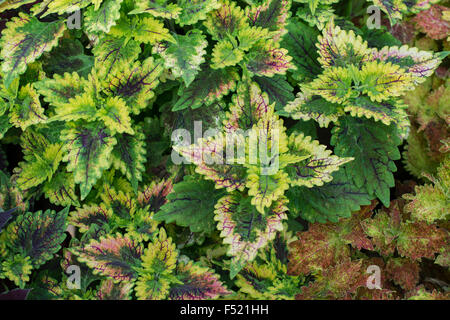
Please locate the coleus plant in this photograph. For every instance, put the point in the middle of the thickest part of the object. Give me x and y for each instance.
(92, 110)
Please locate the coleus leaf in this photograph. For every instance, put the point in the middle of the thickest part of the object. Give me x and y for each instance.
(13, 4)
(403, 272)
(419, 64)
(193, 11)
(432, 23)
(306, 107)
(112, 51)
(373, 144)
(158, 262)
(191, 204)
(5, 216)
(59, 90)
(157, 8)
(184, 55)
(115, 256)
(300, 41)
(68, 57)
(103, 18)
(109, 290)
(430, 202)
(335, 199)
(248, 106)
(142, 29)
(415, 240)
(325, 245)
(134, 83)
(197, 283)
(24, 40)
(266, 58)
(277, 88)
(38, 235)
(27, 109)
(154, 195)
(337, 282)
(396, 8)
(245, 229)
(129, 154)
(60, 190)
(87, 150)
(114, 113)
(271, 14)
(225, 54)
(340, 48)
(209, 86)
(86, 216)
(318, 166)
(17, 268)
(67, 6)
(225, 21)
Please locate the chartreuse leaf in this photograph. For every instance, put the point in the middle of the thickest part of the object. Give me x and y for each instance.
(157, 8)
(191, 204)
(225, 21)
(114, 113)
(26, 110)
(184, 55)
(37, 235)
(209, 86)
(12, 4)
(82, 106)
(225, 54)
(158, 263)
(248, 106)
(317, 165)
(67, 6)
(373, 145)
(112, 51)
(87, 150)
(245, 229)
(271, 14)
(134, 83)
(266, 58)
(340, 48)
(60, 190)
(24, 40)
(314, 107)
(193, 11)
(197, 283)
(59, 90)
(142, 29)
(104, 18)
(17, 269)
(300, 41)
(114, 256)
(129, 155)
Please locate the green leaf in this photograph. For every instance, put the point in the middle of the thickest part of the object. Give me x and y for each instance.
(278, 90)
(373, 145)
(191, 204)
(68, 56)
(225, 54)
(335, 199)
(157, 8)
(271, 14)
(300, 40)
(193, 11)
(24, 40)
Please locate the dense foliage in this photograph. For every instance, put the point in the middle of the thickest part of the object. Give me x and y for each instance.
(111, 187)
